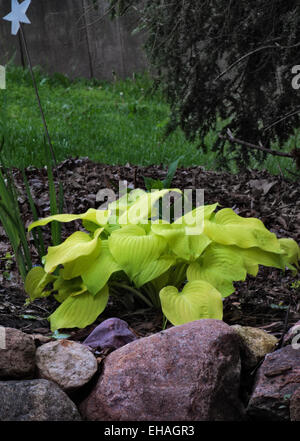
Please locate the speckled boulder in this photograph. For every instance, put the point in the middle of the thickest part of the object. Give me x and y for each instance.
(35, 400)
(17, 358)
(186, 373)
(69, 364)
(257, 343)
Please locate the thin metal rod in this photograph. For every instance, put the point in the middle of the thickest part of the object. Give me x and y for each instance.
(37, 95)
(21, 51)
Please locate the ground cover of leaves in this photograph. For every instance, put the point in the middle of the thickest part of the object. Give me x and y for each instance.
(268, 301)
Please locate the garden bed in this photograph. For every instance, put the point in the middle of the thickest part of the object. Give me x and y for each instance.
(258, 302)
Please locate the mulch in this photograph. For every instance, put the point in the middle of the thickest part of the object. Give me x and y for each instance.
(268, 301)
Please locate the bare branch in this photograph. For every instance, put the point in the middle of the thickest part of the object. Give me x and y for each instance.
(273, 46)
(229, 137)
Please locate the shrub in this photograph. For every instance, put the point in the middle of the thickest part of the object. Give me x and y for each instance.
(185, 266)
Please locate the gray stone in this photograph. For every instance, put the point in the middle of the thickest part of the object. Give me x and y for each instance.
(17, 358)
(69, 364)
(276, 381)
(35, 400)
(186, 373)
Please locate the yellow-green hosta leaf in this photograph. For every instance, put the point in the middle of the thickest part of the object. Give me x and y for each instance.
(185, 246)
(144, 207)
(227, 228)
(77, 267)
(197, 300)
(79, 310)
(292, 253)
(194, 220)
(185, 236)
(153, 270)
(99, 272)
(36, 281)
(255, 256)
(220, 266)
(136, 251)
(122, 204)
(66, 288)
(98, 217)
(78, 245)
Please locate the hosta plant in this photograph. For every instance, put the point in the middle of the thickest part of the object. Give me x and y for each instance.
(185, 267)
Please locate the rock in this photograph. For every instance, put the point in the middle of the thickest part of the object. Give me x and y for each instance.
(293, 332)
(17, 359)
(276, 381)
(35, 400)
(295, 405)
(69, 364)
(112, 333)
(186, 373)
(257, 343)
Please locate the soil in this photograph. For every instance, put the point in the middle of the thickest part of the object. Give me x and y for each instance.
(268, 301)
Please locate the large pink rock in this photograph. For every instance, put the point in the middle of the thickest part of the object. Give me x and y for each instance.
(17, 355)
(276, 381)
(186, 373)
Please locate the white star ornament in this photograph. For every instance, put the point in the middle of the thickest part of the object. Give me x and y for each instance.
(17, 15)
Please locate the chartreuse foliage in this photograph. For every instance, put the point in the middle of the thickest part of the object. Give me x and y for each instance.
(186, 267)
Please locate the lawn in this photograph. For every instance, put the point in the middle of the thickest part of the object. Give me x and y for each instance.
(112, 123)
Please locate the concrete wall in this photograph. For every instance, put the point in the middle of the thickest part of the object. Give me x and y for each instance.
(74, 38)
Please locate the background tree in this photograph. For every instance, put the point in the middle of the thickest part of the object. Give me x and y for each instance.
(231, 59)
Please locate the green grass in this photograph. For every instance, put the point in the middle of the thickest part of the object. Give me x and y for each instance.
(110, 123)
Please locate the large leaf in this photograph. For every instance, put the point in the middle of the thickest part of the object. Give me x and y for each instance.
(253, 257)
(292, 253)
(78, 266)
(220, 266)
(194, 219)
(78, 246)
(66, 288)
(198, 300)
(118, 207)
(143, 208)
(36, 281)
(79, 310)
(138, 253)
(153, 270)
(227, 228)
(185, 246)
(99, 272)
(185, 236)
(98, 217)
